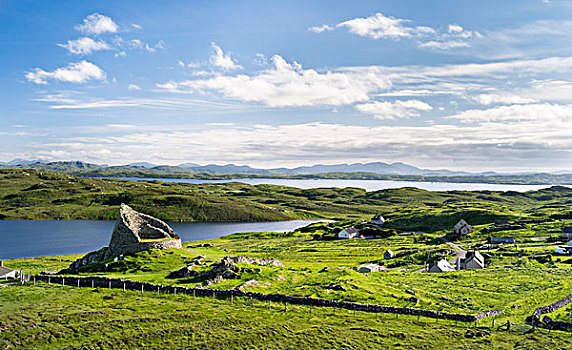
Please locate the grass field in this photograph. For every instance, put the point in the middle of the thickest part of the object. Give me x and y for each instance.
(56, 317)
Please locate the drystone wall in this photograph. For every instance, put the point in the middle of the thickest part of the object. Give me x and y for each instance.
(535, 318)
(104, 282)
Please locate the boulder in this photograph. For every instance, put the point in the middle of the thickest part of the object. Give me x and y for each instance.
(133, 232)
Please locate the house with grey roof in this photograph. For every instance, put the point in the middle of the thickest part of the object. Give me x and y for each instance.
(6, 273)
(462, 228)
(348, 232)
(441, 266)
(471, 261)
(377, 220)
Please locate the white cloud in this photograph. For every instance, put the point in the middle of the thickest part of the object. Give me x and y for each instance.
(78, 72)
(137, 26)
(288, 85)
(520, 145)
(133, 87)
(321, 29)
(149, 48)
(544, 113)
(396, 109)
(219, 59)
(120, 54)
(378, 26)
(85, 46)
(455, 28)
(488, 99)
(284, 84)
(97, 24)
(444, 45)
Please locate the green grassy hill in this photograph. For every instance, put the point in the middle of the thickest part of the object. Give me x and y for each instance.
(35, 194)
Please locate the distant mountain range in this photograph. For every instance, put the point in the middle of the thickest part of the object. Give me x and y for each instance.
(145, 169)
(372, 168)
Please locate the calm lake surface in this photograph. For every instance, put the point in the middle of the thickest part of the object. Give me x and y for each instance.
(30, 238)
(368, 185)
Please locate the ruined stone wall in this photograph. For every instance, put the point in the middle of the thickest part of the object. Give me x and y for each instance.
(104, 282)
(550, 308)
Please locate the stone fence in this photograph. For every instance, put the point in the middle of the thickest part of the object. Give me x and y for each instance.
(105, 282)
(535, 318)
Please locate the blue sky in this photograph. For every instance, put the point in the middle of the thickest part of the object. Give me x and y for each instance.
(464, 85)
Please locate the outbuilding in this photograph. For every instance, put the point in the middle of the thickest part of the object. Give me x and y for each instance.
(462, 228)
(377, 220)
(348, 232)
(368, 268)
(6, 273)
(388, 254)
(441, 266)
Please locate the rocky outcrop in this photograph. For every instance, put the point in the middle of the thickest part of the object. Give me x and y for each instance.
(246, 260)
(133, 232)
(227, 269)
(188, 271)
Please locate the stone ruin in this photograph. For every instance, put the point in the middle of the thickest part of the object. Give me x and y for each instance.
(133, 232)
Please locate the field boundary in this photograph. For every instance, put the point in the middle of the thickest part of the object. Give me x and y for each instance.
(117, 283)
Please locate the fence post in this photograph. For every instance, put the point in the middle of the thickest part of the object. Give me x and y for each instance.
(34, 280)
(213, 295)
(194, 295)
(231, 299)
(78, 282)
(63, 281)
(175, 291)
(49, 278)
(158, 290)
(269, 303)
(109, 284)
(124, 286)
(142, 286)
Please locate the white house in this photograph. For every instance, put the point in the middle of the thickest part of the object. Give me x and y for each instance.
(462, 228)
(368, 268)
(388, 254)
(377, 220)
(348, 232)
(6, 273)
(441, 266)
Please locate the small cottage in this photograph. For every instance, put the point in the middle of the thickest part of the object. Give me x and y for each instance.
(377, 220)
(441, 266)
(348, 232)
(369, 268)
(473, 260)
(6, 273)
(462, 228)
(388, 254)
